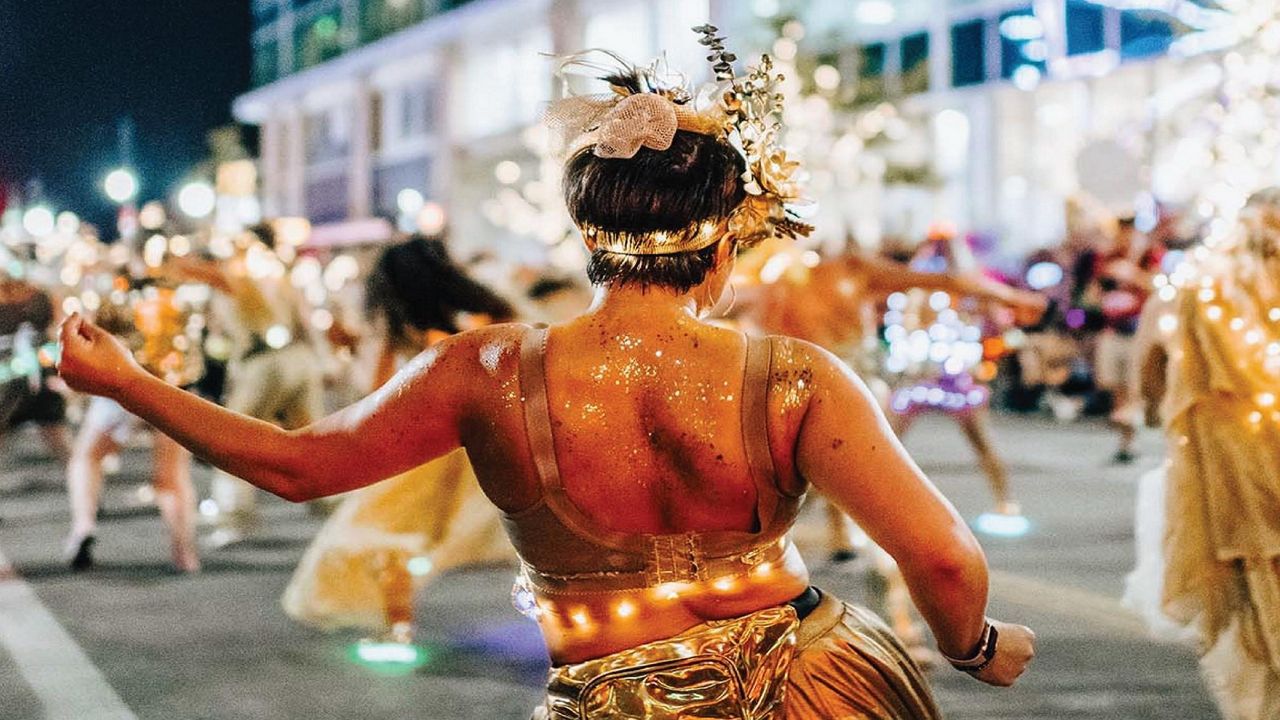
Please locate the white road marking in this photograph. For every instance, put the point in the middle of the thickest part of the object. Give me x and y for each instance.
(1102, 612)
(68, 685)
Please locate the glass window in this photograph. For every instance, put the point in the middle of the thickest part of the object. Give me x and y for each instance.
(915, 63)
(328, 135)
(265, 12)
(625, 29)
(266, 62)
(968, 57)
(1145, 33)
(327, 199)
(317, 41)
(408, 113)
(379, 18)
(1020, 42)
(871, 65)
(1085, 31)
(389, 180)
(506, 85)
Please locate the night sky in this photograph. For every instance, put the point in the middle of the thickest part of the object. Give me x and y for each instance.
(70, 69)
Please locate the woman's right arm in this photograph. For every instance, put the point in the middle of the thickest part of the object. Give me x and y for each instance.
(847, 450)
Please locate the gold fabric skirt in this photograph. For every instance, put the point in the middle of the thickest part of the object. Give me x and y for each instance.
(840, 662)
(435, 512)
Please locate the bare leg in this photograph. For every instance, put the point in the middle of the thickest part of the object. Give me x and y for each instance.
(176, 498)
(84, 479)
(840, 542)
(84, 490)
(977, 431)
(397, 594)
(57, 438)
(891, 598)
(1122, 421)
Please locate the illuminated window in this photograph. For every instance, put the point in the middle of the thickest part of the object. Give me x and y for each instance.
(317, 41)
(1027, 48)
(625, 29)
(515, 85)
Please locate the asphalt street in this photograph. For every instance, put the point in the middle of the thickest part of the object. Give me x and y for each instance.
(131, 639)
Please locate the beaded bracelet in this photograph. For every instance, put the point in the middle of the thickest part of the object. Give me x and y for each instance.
(983, 656)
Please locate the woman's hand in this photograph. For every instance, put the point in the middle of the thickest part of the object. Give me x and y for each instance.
(93, 360)
(1015, 647)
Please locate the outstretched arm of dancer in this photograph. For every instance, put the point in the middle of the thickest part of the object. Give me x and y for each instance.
(408, 421)
(886, 276)
(847, 450)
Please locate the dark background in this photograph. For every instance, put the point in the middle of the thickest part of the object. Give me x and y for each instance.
(71, 69)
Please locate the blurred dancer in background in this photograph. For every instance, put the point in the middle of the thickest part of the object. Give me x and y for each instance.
(1117, 288)
(275, 370)
(1217, 571)
(946, 381)
(149, 316)
(387, 541)
(833, 303)
(26, 319)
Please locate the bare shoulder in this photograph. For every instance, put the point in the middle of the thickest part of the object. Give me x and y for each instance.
(792, 356)
(805, 377)
(487, 350)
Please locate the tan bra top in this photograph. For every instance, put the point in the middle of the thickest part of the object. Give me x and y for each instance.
(564, 551)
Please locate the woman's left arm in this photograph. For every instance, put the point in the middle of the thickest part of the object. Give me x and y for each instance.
(408, 421)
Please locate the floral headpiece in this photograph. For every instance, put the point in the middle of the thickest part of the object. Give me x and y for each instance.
(645, 108)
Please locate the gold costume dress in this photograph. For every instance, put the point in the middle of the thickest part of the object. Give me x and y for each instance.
(1222, 537)
(387, 541)
(838, 661)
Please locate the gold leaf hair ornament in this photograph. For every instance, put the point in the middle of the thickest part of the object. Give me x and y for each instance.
(774, 183)
(645, 106)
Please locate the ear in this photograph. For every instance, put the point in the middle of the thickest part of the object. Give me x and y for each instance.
(725, 248)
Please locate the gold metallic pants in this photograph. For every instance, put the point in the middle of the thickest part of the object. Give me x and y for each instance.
(841, 662)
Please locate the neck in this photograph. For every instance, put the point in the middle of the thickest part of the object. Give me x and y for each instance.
(653, 300)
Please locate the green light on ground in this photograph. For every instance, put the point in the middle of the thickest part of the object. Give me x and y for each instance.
(390, 657)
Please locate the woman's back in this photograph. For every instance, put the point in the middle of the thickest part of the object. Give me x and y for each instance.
(647, 420)
(648, 442)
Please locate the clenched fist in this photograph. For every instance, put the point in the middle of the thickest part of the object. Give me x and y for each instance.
(1015, 647)
(93, 360)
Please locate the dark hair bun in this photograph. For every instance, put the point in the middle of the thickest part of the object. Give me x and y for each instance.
(697, 178)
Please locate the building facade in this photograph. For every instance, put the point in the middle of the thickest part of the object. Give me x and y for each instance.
(358, 100)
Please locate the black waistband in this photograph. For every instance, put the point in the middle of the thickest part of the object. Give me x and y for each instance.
(806, 602)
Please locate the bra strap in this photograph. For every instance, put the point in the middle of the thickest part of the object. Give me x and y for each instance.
(537, 417)
(755, 431)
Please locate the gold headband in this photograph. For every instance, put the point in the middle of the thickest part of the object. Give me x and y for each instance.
(645, 108)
